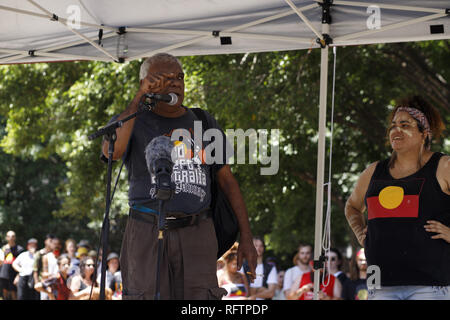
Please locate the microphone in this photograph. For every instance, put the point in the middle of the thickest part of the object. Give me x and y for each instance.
(158, 156)
(171, 98)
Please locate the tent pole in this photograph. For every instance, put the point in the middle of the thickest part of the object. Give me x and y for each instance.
(320, 160)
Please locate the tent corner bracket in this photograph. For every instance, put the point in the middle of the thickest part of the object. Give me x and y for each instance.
(318, 264)
(327, 40)
(122, 30)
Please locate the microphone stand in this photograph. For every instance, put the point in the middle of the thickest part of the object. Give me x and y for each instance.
(109, 131)
(164, 192)
(161, 228)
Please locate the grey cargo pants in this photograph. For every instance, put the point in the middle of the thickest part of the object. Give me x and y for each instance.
(188, 269)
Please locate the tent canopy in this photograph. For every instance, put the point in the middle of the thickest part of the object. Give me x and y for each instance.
(49, 30)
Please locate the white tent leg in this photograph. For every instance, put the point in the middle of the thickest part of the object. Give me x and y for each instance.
(320, 163)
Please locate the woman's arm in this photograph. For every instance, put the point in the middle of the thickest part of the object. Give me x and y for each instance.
(75, 284)
(443, 174)
(355, 207)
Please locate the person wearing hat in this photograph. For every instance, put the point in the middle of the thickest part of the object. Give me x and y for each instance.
(112, 262)
(23, 264)
(82, 252)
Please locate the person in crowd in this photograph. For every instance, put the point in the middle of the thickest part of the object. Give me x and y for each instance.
(84, 244)
(49, 261)
(335, 264)
(190, 229)
(112, 262)
(263, 287)
(11, 251)
(303, 287)
(23, 264)
(232, 280)
(356, 287)
(55, 286)
(301, 265)
(70, 248)
(407, 197)
(221, 261)
(81, 253)
(220, 266)
(117, 286)
(38, 274)
(84, 286)
(279, 294)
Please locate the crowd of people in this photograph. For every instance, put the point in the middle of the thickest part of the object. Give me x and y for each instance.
(341, 279)
(69, 271)
(56, 272)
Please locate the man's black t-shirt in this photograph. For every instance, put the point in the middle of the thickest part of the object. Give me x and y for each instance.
(11, 253)
(191, 176)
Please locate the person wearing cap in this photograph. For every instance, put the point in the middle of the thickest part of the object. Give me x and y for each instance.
(23, 264)
(112, 262)
(82, 252)
(84, 244)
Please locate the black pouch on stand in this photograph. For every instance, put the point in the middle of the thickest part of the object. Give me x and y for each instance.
(225, 221)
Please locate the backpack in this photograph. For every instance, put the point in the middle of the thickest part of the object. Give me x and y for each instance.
(225, 221)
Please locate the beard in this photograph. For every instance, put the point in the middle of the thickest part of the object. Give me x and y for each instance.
(304, 260)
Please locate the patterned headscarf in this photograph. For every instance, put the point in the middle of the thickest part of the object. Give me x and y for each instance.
(419, 116)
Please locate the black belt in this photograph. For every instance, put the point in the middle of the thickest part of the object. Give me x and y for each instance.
(172, 222)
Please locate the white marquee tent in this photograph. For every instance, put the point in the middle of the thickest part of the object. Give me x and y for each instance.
(114, 30)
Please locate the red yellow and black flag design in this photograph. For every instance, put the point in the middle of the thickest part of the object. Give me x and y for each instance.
(394, 199)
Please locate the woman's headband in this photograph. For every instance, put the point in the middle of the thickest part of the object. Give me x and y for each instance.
(419, 116)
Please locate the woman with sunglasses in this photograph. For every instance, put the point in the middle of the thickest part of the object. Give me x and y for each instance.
(408, 204)
(84, 283)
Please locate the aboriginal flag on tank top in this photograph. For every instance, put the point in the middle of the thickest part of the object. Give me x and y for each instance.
(394, 198)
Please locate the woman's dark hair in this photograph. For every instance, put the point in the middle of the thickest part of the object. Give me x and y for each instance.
(83, 268)
(61, 257)
(339, 256)
(260, 239)
(230, 257)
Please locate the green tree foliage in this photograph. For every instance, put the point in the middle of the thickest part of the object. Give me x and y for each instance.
(49, 110)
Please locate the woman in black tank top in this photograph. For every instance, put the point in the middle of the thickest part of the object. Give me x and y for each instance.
(83, 283)
(407, 235)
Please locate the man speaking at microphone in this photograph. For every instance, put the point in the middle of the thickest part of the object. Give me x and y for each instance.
(188, 268)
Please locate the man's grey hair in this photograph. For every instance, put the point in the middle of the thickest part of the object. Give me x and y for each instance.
(159, 57)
